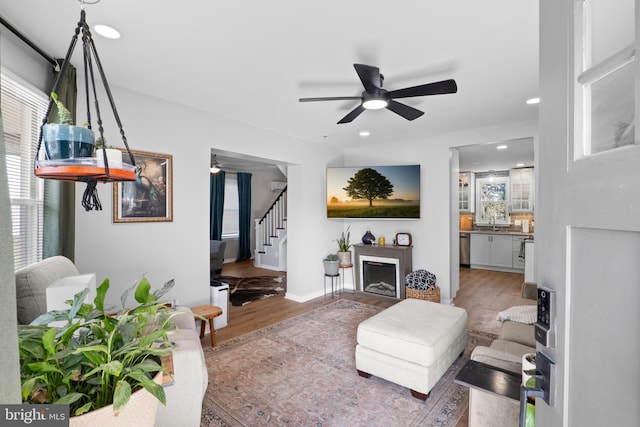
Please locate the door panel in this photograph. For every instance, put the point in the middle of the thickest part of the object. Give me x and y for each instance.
(604, 327)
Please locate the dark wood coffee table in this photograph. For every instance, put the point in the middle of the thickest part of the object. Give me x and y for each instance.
(489, 378)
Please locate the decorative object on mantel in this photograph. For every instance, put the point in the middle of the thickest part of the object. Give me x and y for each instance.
(403, 239)
(344, 248)
(72, 167)
(421, 284)
(368, 238)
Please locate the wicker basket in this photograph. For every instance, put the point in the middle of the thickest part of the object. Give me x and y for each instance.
(432, 295)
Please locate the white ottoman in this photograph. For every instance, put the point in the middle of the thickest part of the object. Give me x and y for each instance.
(411, 343)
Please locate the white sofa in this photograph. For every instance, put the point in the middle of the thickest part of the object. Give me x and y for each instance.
(190, 378)
(515, 340)
(184, 396)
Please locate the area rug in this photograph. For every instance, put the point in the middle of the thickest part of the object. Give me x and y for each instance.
(243, 290)
(301, 372)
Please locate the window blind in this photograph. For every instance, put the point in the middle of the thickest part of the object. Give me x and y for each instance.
(23, 108)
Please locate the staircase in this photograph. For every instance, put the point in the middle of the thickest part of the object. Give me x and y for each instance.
(271, 236)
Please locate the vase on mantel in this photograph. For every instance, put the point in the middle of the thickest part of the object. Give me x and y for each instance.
(368, 238)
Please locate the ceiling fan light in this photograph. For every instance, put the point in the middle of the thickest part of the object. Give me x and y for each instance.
(375, 104)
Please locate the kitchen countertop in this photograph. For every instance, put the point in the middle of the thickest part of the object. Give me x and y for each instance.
(507, 232)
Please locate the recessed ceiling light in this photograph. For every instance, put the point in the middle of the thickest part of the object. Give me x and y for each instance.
(533, 101)
(364, 133)
(501, 147)
(520, 165)
(475, 163)
(106, 31)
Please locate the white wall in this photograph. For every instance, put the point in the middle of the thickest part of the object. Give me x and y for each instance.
(436, 230)
(179, 249)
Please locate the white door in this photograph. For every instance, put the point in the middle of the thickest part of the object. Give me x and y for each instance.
(588, 214)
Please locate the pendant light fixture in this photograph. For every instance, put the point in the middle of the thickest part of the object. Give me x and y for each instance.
(71, 158)
(215, 166)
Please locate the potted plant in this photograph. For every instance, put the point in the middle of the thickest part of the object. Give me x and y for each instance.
(113, 155)
(344, 245)
(331, 265)
(64, 140)
(98, 361)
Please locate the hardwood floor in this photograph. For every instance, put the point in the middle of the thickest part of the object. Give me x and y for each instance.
(482, 293)
(259, 314)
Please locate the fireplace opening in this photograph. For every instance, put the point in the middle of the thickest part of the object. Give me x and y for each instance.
(379, 278)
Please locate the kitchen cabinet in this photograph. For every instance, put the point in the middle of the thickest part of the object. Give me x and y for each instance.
(521, 189)
(466, 192)
(492, 250)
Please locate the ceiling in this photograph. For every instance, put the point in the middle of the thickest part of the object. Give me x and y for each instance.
(251, 61)
(486, 156)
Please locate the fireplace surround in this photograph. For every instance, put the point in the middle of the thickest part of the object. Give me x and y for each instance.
(380, 260)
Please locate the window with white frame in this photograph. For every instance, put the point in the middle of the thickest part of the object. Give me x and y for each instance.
(606, 71)
(230, 218)
(23, 108)
(492, 194)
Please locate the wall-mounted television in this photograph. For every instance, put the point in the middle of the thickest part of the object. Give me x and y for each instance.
(374, 192)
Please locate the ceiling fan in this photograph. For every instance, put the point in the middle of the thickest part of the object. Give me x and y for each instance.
(374, 97)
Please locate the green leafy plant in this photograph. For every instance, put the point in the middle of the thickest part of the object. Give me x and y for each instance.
(344, 242)
(97, 358)
(64, 115)
(101, 144)
(332, 257)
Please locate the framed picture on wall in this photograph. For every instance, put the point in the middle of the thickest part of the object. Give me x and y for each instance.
(150, 197)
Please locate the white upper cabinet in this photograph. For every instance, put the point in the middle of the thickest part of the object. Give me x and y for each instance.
(521, 189)
(466, 192)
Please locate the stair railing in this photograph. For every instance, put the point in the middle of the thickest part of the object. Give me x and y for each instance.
(274, 219)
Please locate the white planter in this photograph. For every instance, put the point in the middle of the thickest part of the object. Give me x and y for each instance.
(331, 268)
(114, 157)
(140, 411)
(345, 258)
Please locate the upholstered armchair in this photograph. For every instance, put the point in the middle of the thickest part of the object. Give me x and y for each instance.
(217, 248)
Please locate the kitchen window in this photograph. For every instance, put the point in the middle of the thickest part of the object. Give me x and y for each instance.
(492, 195)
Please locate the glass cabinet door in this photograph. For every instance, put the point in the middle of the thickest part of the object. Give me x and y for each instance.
(466, 186)
(521, 189)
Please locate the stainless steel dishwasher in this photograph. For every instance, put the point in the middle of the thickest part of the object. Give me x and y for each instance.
(465, 249)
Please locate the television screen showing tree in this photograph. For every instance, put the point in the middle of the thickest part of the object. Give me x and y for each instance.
(374, 192)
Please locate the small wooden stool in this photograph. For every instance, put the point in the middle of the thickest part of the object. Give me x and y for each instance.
(209, 312)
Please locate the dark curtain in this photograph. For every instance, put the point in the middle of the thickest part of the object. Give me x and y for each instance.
(59, 214)
(244, 216)
(216, 205)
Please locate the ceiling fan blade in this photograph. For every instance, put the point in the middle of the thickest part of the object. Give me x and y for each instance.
(437, 88)
(352, 115)
(404, 110)
(330, 98)
(369, 76)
